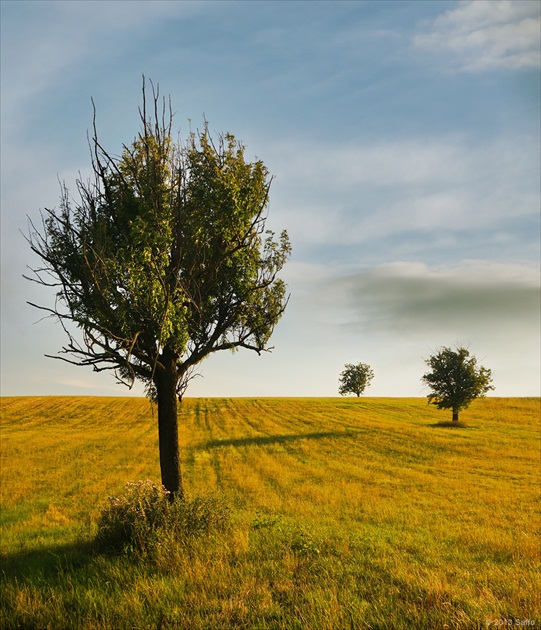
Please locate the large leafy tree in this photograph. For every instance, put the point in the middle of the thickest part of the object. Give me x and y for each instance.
(355, 379)
(455, 379)
(163, 260)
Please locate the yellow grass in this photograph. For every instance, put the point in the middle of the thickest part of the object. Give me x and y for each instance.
(350, 513)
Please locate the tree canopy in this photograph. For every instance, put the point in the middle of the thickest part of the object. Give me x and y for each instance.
(162, 260)
(456, 380)
(355, 379)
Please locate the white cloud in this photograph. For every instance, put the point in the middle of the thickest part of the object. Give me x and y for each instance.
(393, 162)
(351, 193)
(484, 35)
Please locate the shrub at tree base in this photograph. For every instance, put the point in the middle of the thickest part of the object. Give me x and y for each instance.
(145, 514)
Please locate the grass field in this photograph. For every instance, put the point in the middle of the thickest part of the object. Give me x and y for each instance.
(370, 513)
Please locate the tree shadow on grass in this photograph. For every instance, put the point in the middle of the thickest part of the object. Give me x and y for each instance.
(45, 561)
(449, 424)
(276, 439)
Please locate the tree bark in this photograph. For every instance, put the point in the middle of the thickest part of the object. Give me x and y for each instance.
(455, 415)
(166, 382)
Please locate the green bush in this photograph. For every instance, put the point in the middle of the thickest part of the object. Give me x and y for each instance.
(144, 516)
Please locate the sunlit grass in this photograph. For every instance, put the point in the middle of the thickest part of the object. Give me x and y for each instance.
(371, 513)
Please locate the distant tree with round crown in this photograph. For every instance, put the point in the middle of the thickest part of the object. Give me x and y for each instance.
(456, 380)
(355, 379)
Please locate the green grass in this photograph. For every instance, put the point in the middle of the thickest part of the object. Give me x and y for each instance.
(370, 513)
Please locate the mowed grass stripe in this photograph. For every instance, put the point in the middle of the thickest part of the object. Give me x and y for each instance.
(267, 462)
(73, 453)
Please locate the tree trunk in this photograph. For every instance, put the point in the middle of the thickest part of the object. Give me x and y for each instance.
(455, 415)
(166, 382)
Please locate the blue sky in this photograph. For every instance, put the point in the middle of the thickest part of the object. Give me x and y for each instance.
(404, 138)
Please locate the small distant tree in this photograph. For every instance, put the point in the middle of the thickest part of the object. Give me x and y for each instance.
(355, 379)
(456, 380)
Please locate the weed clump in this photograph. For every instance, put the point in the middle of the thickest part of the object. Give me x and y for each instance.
(145, 515)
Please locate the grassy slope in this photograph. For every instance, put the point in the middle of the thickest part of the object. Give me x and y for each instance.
(349, 514)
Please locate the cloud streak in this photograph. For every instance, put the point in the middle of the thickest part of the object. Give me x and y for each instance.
(44, 54)
(481, 302)
(355, 193)
(482, 36)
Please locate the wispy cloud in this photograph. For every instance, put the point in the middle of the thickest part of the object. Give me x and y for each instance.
(353, 193)
(40, 55)
(485, 35)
